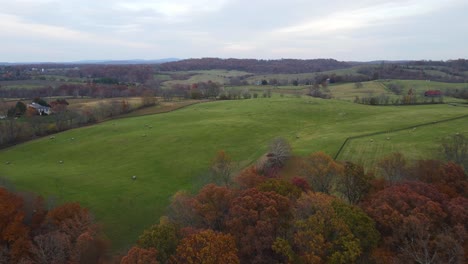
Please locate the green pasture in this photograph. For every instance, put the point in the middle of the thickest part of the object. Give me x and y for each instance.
(418, 143)
(349, 91)
(300, 76)
(219, 76)
(172, 151)
(420, 86)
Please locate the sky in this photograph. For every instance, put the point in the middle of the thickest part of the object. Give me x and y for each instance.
(358, 30)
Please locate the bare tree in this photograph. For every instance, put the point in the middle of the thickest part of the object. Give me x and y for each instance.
(221, 168)
(393, 167)
(278, 153)
(455, 148)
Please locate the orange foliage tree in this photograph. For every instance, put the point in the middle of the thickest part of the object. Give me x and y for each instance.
(208, 247)
(30, 234)
(321, 171)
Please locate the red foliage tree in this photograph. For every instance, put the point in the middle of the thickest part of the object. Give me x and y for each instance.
(301, 183)
(249, 178)
(418, 222)
(212, 205)
(138, 255)
(255, 219)
(14, 234)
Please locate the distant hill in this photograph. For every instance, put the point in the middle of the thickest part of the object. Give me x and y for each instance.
(256, 66)
(107, 62)
(124, 62)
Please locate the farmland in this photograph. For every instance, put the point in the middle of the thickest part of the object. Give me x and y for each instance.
(172, 151)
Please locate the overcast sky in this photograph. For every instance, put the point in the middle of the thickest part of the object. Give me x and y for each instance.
(69, 30)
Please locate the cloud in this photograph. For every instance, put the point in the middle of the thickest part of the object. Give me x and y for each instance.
(377, 15)
(174, 9)
(13, 26)
(236, 28)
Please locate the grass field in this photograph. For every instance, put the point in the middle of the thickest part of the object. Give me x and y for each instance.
(419, 86)
(219, 76)
(291, 77)
(419, 143)
(349, 91)
(172, 151)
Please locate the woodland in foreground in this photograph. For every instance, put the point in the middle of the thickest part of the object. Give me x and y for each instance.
(331, 212)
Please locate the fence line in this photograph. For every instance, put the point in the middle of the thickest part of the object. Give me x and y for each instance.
(395, 130)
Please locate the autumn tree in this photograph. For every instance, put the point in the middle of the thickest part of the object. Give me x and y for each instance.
(162, 238)
(301, 183)
(281, 187)
(418, 224)
(51, 247)
(354, 183)
(393, 167)
(74, 221)
(249, 178)
(323, 231)
(256, 219)
(181, 211)
(211, 205)
(14, 234)
(138, 255)
(321, 171)
(207, 247)
(448, 178)
(221, 168)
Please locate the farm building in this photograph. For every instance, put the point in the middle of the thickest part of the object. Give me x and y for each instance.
(41, 110)
(433, 93)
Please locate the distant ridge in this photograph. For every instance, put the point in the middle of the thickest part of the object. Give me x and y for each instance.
(255, 65)
(108, 62)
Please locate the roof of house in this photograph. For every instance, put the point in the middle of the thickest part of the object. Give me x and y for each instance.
(38, 106)
(433, 93)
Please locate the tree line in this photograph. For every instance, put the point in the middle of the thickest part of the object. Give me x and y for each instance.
(21, 123)
(255, 66)
(33, 230)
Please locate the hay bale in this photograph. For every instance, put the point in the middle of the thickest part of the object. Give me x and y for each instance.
(60, 161)
(134, 177)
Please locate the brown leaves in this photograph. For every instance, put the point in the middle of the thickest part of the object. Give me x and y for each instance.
(255, 219)
(65, 234)
(138, 255)
(416, 221)
(208, 247)
(321, 171)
